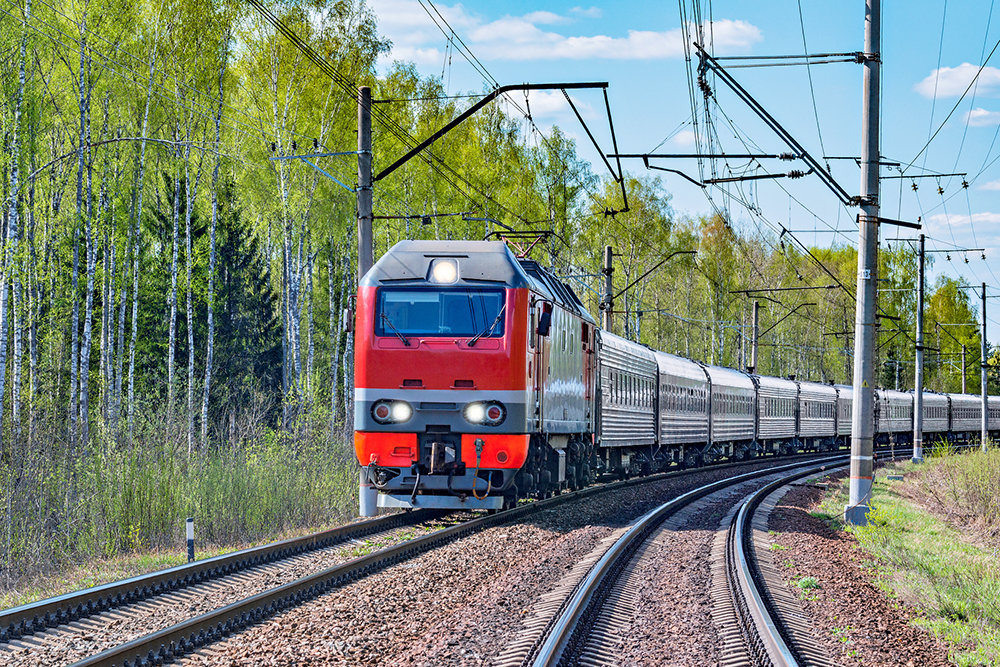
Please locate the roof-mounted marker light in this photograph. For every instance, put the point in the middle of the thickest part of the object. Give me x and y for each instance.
(443, 271)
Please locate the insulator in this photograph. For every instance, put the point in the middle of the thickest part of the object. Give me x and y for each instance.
(315, 144)
(948, 256)
(913, 185)
(274, 146)
(788, 156)
(940, 190)
(295, 146)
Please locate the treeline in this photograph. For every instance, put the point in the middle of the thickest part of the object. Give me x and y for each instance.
(175, 288)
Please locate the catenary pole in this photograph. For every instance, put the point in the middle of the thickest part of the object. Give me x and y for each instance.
(862, 418)
(367, 495)
(984, 417)
(365, 252)
(755, 334)
(918, 376)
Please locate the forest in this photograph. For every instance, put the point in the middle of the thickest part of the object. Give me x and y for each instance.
(176, 293)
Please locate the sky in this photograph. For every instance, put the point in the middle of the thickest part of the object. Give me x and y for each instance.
(931, 53)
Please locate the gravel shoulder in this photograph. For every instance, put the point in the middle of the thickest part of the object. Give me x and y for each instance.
(856, 620)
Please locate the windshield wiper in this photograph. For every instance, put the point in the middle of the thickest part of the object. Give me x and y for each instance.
(488, 330)
(385, 318)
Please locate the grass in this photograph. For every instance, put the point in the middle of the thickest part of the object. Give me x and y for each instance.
(113, 512)
(930, 546)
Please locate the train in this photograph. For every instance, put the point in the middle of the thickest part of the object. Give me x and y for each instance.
(480, 378)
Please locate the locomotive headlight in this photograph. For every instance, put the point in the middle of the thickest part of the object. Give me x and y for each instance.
(443, 271)
(401, 411)
(475, 413)
(391, 412)
(491, 413)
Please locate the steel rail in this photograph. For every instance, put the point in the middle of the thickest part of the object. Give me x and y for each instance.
(189, 635)
(34, 617)
(565, 631)
(762, 634)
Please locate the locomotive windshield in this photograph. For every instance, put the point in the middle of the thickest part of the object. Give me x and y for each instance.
(458, 312)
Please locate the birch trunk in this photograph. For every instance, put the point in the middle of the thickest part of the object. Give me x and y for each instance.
(190, 333)
(210, 343)
(135, 246)
(334, 351)
(12, 218)
(74, 356)
(172, 299)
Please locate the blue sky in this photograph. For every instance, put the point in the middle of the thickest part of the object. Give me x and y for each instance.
(637, 48)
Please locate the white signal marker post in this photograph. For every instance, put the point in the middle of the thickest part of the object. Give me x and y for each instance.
(862, 418)
(189, 524)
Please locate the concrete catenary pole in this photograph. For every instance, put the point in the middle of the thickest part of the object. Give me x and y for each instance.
(918, 375)
(756, 335)
(365, 252)
(609, 270)
(862, 418)
(367, 494)
(984, 419)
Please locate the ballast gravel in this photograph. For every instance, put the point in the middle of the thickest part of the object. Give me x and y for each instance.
(459, 604)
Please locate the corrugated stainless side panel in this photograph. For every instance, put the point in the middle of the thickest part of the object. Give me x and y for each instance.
(894, 413)
(625, 423)
(845, 400)
(935, 403)
(965, 413)
(812, 395)
(683, 403)
(732, 424)
(775, 427)
(994, 405)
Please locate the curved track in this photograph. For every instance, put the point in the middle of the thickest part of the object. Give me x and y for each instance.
(582, 630)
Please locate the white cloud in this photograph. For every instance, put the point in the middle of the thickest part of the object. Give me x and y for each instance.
(415, 37)
(543, 17)
(515, 38)
(684, 139)
(980, 117)
(545, 104)
(990, 185)
(587, 12)
(942, 221)
(952, 81)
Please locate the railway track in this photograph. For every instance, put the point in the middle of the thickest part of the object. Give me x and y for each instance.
(586, 620)
(86, 611)
(184, 589)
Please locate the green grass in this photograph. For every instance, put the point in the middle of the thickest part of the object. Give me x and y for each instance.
(943, 567)
(79, 516)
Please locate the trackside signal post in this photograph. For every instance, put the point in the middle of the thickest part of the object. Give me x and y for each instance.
(862, 418)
